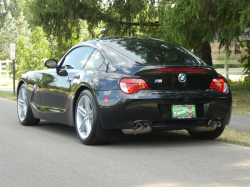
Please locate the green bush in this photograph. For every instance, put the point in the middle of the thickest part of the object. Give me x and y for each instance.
(241, 85)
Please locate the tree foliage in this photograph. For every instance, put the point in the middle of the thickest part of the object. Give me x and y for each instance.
(31, 52)
(5, 7)
(191, 23)
(224, 20)
(32, 47)
(245, 60)
(8, 34)
(116, 16)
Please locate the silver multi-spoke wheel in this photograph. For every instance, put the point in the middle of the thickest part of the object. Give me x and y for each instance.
(24, 111)
(22, 104)
(84, 116)
(87, 121)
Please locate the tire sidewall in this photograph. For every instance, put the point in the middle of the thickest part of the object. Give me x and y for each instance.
(94, 125)
(28, 104)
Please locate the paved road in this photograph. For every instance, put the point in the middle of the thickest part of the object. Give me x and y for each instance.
(240, 122)
(50, 154)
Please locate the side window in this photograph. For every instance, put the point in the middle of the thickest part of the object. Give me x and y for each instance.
(77, 58)
(95, 61)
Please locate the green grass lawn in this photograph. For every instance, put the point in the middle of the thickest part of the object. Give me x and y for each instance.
(241, 97)
(241, 102)
(7, 95)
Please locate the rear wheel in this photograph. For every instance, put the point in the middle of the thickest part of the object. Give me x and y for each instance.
(24, 111)
(87, 122)
(207, 135)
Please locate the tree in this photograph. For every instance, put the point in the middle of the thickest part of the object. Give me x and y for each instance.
(245, 60)
(7, 6)
(59, 48)
(8, 34)
(31, 52)
(32, 47)
(193, 24)
(118, 17)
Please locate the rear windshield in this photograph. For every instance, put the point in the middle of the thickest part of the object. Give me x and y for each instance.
(146, 52)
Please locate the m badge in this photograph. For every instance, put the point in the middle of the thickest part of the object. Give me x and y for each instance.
(158, 80)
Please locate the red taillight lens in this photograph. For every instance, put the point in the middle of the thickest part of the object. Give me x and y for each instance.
(180, 69)
(130, 85)
(219, 84)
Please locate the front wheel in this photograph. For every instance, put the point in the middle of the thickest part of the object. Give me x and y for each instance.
(24, 111)
(207, 135)
(87, 122)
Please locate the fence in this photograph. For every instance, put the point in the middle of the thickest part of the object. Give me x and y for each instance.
(226, 71)
(227, 63)
(3, 67)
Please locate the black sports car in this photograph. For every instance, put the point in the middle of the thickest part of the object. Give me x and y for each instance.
(134, 84)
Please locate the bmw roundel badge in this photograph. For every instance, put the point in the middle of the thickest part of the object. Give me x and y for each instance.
(182, 77)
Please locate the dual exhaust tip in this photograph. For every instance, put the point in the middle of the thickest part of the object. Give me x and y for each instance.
(211, 126)
(141, 126)
(215, 123)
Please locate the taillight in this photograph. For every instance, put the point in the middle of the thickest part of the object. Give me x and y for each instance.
(219, 84)
(130, 85)
(180, 69)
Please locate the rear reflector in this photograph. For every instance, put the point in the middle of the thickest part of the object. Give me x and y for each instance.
(130, 85)
(219, 84)
(180, 69)
(106, 99)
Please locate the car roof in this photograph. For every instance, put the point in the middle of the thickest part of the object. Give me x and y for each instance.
(122, 51)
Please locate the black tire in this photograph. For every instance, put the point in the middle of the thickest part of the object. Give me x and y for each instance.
(207, 135)
(28, 119)
(97, 135)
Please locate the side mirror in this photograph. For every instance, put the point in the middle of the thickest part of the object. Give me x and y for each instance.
(51, 63)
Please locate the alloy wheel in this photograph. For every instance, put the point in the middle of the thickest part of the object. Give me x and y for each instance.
(84, 117)
(22, 104)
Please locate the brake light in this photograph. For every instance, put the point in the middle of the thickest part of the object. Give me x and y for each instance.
(219, 84)
(180, 69)
(130, 85)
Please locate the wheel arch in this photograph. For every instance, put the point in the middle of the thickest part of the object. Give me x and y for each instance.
(20, 84)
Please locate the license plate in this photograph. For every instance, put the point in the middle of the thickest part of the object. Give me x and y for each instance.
(183, 111)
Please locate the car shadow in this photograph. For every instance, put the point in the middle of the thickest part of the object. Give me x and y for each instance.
(150, 139)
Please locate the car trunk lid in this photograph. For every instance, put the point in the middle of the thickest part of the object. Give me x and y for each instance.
(177, 78)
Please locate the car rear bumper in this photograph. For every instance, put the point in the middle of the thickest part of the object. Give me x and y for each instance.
(122, 110)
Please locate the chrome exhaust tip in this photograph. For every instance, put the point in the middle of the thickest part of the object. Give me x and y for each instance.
(219, 124)
(214, 123)
(145, 125)
(139, 127)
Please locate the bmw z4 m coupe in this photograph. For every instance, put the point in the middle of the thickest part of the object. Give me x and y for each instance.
(134, 84)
